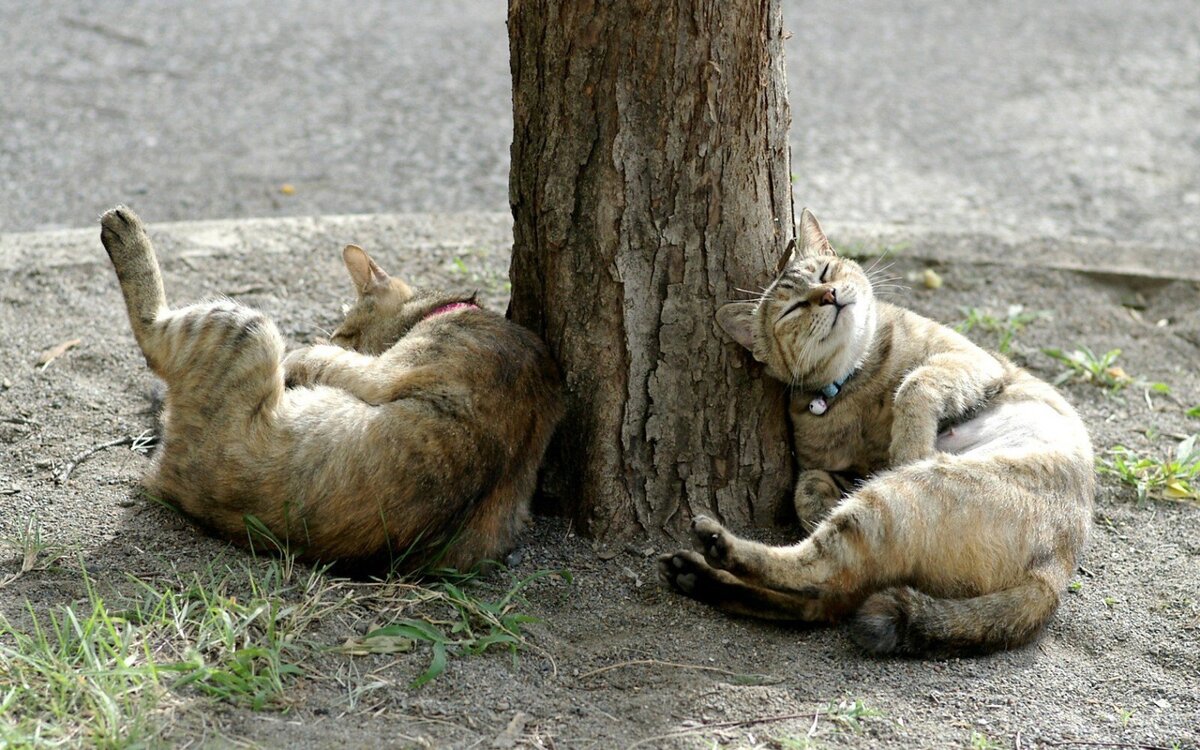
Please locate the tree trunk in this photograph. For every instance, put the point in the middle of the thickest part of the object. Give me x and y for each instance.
(650, 181)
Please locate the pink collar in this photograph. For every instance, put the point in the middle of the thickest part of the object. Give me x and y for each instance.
(451, 308)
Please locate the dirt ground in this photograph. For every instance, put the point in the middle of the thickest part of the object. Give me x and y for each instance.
(617, 659)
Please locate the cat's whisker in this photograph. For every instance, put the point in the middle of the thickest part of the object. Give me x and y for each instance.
(893, 289)
(876, 272)
(886, 251)
(757, 297)
(755, 292)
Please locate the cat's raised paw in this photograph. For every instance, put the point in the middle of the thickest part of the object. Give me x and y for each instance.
(121, 232)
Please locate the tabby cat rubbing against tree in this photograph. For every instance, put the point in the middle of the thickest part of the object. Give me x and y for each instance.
(413, 439)
(978, 476)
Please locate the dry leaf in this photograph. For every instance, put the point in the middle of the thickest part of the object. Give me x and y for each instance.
(287, 188)
(379, 644)
(45, 358)
(1117, 373)
(931, 279)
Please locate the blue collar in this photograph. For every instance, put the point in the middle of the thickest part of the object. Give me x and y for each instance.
(820, 404)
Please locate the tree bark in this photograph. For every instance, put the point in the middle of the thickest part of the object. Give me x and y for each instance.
(650, 182)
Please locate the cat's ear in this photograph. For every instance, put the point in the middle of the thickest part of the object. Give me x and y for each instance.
(368, 277)
(812, 240)
(737, 319)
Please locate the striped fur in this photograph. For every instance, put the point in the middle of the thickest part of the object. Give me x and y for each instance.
(948, 491)
(409, 441)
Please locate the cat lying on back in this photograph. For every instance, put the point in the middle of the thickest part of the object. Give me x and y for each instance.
(413, 439)
(979, 476)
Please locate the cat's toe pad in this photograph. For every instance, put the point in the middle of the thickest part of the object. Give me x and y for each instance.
(680, 570)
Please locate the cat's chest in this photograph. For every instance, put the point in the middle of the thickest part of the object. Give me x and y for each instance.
(854, 433)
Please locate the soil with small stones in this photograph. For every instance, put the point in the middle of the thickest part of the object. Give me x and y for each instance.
(617, 660)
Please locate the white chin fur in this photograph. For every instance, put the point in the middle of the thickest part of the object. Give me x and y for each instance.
(843, 351)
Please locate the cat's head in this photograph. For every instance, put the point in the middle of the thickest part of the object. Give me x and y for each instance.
(386, 307)
(814, 324)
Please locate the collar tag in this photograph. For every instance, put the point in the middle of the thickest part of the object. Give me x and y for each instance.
(820, 404)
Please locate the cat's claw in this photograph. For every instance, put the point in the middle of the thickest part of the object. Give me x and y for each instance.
(713, 539)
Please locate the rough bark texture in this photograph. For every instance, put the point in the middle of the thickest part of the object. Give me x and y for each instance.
(650, 180)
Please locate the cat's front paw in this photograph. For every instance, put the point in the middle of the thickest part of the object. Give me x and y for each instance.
(716, 542)
(815, 495)
(299, 368)
(683, 570)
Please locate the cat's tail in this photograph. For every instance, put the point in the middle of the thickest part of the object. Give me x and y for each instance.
(903, 620)
(124, 238)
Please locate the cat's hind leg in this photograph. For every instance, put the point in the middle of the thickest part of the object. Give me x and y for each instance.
(903, 620)
(688, 573)
(832, 570)
(214, 356)
(124, 239)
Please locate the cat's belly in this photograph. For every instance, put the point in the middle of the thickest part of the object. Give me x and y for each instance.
(1014, 425)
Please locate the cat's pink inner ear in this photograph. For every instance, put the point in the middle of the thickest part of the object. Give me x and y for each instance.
(737, 319)
(812, 239)
(368, 277)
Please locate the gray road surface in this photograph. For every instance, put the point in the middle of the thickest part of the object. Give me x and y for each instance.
(1077, 118)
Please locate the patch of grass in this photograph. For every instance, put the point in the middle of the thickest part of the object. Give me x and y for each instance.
(473, 626)
(845, 716)
(1194, 412)
(1016, 317)
(129, 666)
(1124, 715)
(34, 553)
(1169, 478)
(1075, 587)
(1085, 366)
(849, 714)
(980, 741)
(104, 672)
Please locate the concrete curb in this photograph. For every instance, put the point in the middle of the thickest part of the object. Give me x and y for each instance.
(418, 232)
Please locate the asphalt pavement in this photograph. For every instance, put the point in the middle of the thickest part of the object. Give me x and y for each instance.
(1065, 119)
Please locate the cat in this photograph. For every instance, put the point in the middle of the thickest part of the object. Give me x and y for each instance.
(979, 477)
(411, 440)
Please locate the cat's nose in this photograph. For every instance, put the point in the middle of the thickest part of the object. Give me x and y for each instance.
(829, 297)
